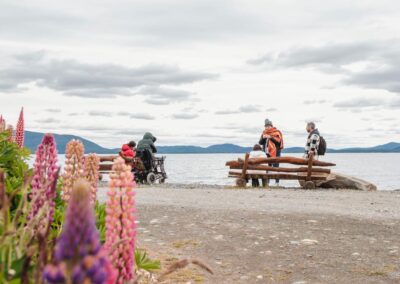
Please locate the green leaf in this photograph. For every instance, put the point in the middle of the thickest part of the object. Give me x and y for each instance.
(144, 262)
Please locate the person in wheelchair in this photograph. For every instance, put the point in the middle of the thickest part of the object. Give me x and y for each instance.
(146, 149)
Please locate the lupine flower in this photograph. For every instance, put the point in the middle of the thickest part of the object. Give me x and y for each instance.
(78, 255)
(120, 220)
(2, 124)
(45, 174)
(92, 163)
(10, 130)
(73, 169)
(19, 131)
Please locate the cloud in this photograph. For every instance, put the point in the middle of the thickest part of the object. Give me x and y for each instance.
(73, 78)
(185, 116)
(143, 116)
(53, 110)
(325, 57)
(48, 120)
(100, 113)
(378, 78)
(313, 102)
(242, 109)
(378, 62)
(359, 103)
(156, 95)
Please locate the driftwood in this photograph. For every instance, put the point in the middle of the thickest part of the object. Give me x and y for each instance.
(284, 170)
(275, 176)
(260, 168)
(280, 160)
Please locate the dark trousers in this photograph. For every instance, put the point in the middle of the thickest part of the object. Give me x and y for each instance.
(276, 165)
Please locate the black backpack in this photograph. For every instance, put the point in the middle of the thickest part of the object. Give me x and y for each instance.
(322, 146)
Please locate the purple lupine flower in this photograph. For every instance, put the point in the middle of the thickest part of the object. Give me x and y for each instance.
(78, 256)
(45, 174)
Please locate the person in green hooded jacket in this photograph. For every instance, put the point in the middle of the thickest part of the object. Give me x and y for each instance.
(147, 143)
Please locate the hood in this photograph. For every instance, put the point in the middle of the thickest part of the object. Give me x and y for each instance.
(125, 147)
(149, 136)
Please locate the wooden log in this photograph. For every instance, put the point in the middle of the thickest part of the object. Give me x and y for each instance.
(275, 176)
(105, 167)
(281, 169)
(244, 170)
(110, 158)
(280, 160)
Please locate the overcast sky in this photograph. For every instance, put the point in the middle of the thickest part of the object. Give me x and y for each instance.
(203, 72)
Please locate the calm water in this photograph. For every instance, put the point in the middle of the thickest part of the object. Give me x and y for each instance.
(381, 169)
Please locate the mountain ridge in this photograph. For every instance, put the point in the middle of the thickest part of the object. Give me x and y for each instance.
(32, 140)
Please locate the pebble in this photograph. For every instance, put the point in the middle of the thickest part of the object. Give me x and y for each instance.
(393, 252)
(309, 242)
(154, 221)
(355, 254)
(219, 237)
(259, 277)
(394, 275)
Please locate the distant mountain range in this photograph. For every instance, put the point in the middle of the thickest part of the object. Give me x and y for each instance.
(32, 140)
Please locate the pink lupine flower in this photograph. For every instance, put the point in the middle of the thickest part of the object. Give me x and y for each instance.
(19, 131)
(92, 164)
(10, 130)
(2, 124)
(73, 169)
(45, 174)
(120, 220)
(78, 255)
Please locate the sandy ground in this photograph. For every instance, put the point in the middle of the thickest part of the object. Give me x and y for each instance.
(273, 236)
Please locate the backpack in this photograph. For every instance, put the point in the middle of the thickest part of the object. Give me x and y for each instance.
(322, 146)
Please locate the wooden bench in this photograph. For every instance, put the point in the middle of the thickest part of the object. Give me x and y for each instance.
(308, 174)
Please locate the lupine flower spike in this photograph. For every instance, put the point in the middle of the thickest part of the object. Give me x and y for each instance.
(78, 256)
(2, 124)
(45, 173)
(120, 221)
(19, 131)
(92, 162)
(73, 169)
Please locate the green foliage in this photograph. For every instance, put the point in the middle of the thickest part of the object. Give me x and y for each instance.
(13, 161)
(144, 262)
(100, 210)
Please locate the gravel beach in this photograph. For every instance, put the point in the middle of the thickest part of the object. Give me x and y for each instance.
(272, 236)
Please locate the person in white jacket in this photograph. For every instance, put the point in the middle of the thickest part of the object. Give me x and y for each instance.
(257, 153)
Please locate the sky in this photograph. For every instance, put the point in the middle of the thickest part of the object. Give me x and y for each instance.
(203, 72)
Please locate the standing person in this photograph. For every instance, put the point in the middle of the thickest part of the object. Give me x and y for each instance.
(257, 153)
(313, 141)
(272, 142)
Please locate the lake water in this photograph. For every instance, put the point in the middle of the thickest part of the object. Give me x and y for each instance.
(381, 169)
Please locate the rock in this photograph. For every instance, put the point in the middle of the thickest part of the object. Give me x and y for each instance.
(355, 254)
(340, 181)
(154, 221)
(260, 277)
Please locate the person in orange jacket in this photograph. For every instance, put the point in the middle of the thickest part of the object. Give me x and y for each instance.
(272, 142)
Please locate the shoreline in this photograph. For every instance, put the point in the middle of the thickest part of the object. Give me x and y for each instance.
(272, 236)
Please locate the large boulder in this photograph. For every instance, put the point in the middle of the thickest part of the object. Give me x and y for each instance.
(340, 181)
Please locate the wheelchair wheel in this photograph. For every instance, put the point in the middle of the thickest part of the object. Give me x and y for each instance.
(151, 178)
